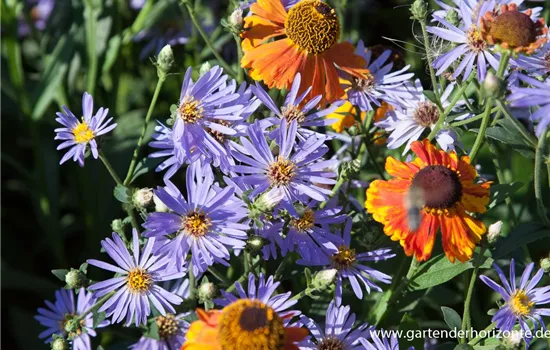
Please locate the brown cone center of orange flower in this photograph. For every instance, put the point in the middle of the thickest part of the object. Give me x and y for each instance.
(426, 114)
(330, 343)
(514, 28)
(253, 318)
(313, 26)
(440, 185)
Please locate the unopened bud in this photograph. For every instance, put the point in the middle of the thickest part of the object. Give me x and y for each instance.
(143, 198)
(513, 340)
(493, 86)
(76, 279)
(353, 130)
(60, 343)
(493, 232)
(419, 10)
(350, 169)
(452, 17)
(323, 279)
(72, 326)
(255, 243)
(207, 291)
(545, 264)
(117, 225)
(236, 19)
(205, 68)
(269, 200)
(165, 59)
(159, 205)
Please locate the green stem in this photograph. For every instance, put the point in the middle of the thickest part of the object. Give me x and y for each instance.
(335, 190)
(303, 293)
(91, 29)
(207, 41)
(94, 307)
(466, 316)
(240, 71)
(246, 257)
(473, 119)
(526, 135)
(281, 268)
(243, 278)
(539, 160)
(479, 338)
(192, 283)
(429, 59)
(133, 163)
(219, 275)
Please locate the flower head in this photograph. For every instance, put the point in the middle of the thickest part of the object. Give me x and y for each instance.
(349, 265)
(171, 330)
(438, 190)
(520, 300)
(79, 134)
(137, 286)
(205, 224)
(306, 42)
(57, 314)
(339, 332)
(40, 11)
(536, 95)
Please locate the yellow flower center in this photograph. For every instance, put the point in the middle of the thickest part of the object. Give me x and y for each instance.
(220, 137)
(305, 222)
(291, 113)
(514, 28)
(139, 281)
(475, 41)
(281, 171)
(366, 83)
(439, 186)
(190, 110)
(313, 26)
(426, 114)
(83, 133)
(344, 258)
(520, 304)
(330, 343)
(196, 224)
(167, 326)
(250, 324)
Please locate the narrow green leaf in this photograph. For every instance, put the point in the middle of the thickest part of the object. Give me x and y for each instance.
(60, 273)
(152, 330)
(98, 317)
(500, 192)
(522, 234)
(451, 317)
(430, 95)
(123, 194)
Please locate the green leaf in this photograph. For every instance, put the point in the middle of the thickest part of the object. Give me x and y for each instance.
(152, 330)
(98, 317)
(500, 192)
(430, 95)
(408, 325)
(84, 267)
(505, 132)
(307, 273)
(439, 270)
(464, 347)
(451, 317)
(522, 234)
(60, 273)
(144, 166)
(123, 194)
(100, 348)
(112, 53)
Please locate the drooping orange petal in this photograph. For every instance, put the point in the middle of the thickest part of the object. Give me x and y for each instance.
(383, 196)
(460, 233)
(284, 74)
(267, 56)
(202, 334)
(421, 242)
(400, 169)
(396, 226)
(475, 197)
(426, 152)
(294, 335)
(343, 55)
(258, 30)
(270, 9)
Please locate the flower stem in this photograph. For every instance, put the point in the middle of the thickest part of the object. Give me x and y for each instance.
(502, 180)
(243, 277)
(219, 275)
(207, 41)
(478, 338)
(429, 59)
(526, 135)
(94, 307)
(240, 71)
(192, 283)
(335, 190)
(473, 119)
(133, 163)
(466, 316)
(539, 159)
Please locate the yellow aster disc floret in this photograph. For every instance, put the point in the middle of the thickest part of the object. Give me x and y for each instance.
(190, 111)
(344, 258)
(250, 324)
(520, 303)
(139, 281)
(196, 224)
(167, 326)
(305, 222)
(83, 133)
(313, 26)
(281, 171)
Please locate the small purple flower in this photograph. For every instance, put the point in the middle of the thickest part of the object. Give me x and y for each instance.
(171, 329)
(62, 310)
(292, 110)
(39, 13)
(380, 84)
(521, 300)
(263, 292)
(536, 95)
(348, 264)
(164, 141)
(205, 224)
(298, 169)
(79, 134)
(137, 285)
(339, 330)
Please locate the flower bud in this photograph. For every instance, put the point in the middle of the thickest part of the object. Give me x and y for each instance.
(117, 225)
(143, 198)
(419, 10)
(204, 68)
(350, 169)
(255, 243)
(323, 279)
(353, 130)
(159, 205)
(269, 200)
(453, 17)
(545, 264)
(493, 232)
(493, 86)
(76, 279)
(165, 59)
(207, 291)
(60, 343)
(513, 340)
(72, 326)
(236, 19)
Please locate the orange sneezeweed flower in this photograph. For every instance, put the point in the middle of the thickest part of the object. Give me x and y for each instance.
(443, 188)
(305, 41)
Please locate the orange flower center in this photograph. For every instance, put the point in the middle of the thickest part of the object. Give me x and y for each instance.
(291, 113)
(330, 343)
(139, 281)
(441, 187)
(344, 258)
(196, 224)
(281, 171)
(514, 28)
(305, 222)
(313, 26)
(366, 83)
(520, 303)
(82, 133)
(426, 114)
(167, 326)
(250, 324)
(190, 111)
(475, 41)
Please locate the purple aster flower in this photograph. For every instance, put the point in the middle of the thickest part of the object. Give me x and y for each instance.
(304, 115)
(348, 264)
(206, 224)
(137, 285)
(56, 315)
(79, 134)
(263, 291)
(382, 340)
(380, 84)
(339, 330)
(163, 139)
(521, 300)
(414, 115)
(471, 48)
(491, 6)
(39, 13)
(207, 113)
(171, 329)
(536, 95)
(298, 169)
